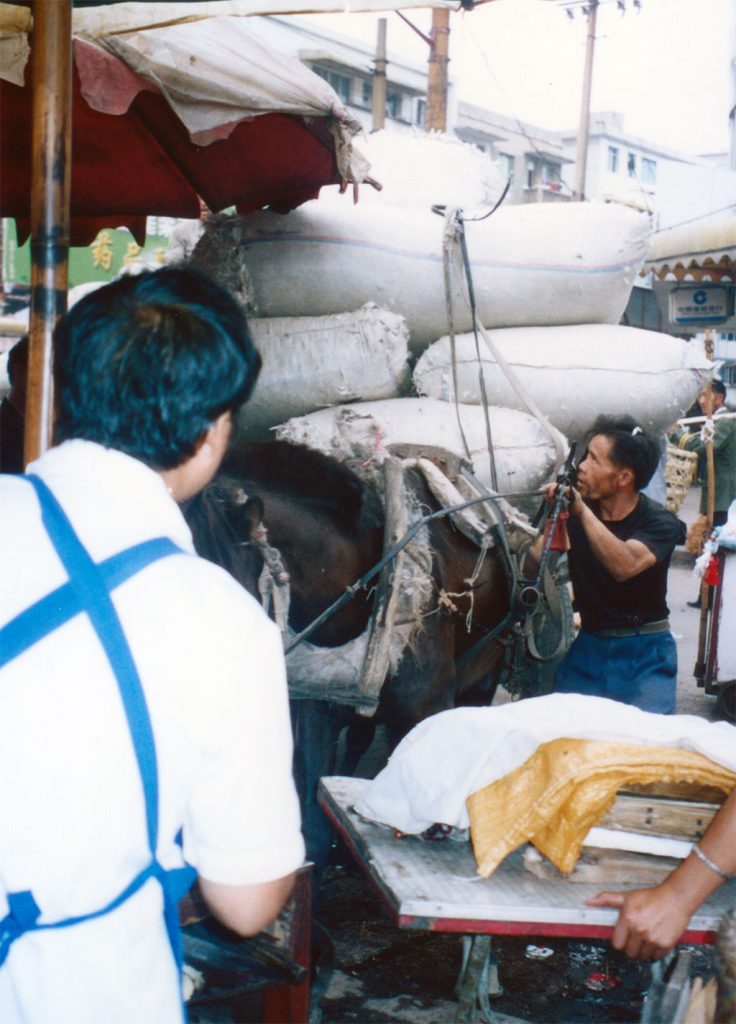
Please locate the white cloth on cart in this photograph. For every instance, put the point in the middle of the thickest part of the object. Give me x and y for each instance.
(447, 757)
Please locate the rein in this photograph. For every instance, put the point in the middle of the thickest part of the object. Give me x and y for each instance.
(366, 578)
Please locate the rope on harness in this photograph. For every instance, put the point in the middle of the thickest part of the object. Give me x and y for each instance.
(454, 238)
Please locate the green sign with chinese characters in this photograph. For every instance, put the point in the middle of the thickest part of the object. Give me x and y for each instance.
(112, 251)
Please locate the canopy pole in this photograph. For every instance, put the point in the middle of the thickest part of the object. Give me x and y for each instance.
(50, 190)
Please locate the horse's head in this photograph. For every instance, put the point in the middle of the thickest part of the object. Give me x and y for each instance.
(225, 525)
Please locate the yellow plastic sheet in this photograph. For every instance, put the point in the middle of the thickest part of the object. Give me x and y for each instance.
(565, 788)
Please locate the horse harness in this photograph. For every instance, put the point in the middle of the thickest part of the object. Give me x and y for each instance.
(88, 590)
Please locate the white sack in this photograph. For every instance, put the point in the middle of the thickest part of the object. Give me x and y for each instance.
(312, 362)
(447, 757)
(574, 373)
(533, 264)
(524, 453)
(419, 169)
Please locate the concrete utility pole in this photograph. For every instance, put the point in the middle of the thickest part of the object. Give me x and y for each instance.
(581, 152)
(379, 79)
(436, 119)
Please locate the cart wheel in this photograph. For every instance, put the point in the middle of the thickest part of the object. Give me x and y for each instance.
(726, 703)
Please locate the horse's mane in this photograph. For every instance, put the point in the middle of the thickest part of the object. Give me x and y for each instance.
(308, 477)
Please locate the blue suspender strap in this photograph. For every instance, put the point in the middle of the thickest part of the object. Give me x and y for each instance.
(64, 603)
(85, 580)
(88, 590)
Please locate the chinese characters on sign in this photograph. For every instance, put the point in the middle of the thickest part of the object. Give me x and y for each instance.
(699, 305)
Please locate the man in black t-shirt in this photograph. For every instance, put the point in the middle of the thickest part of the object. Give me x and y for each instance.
(621, 543)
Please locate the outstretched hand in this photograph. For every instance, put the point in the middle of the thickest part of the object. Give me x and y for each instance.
(650, 923)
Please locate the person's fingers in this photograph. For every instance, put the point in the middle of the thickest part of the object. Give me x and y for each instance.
(606, 899)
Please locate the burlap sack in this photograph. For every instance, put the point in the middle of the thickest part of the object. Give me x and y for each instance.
(565, 788)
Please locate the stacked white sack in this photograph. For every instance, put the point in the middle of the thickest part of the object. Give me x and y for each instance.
(312, 362)
(419, 169)
(574, 373)
(524, 452)
(534, 264)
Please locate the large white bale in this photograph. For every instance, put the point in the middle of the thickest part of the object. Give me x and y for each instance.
(574, 373)
(419, 169)
(312, 362)
(533, 264)
(524, 453)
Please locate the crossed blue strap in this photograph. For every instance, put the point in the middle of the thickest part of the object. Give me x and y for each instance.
(88, 590)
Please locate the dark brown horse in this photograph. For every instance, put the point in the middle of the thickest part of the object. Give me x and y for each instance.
(328, 526)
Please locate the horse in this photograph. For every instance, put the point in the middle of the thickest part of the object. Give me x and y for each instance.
(327, 524)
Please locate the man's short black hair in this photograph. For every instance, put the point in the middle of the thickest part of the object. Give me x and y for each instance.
(631, 447)
(145, 364)
(718, 387)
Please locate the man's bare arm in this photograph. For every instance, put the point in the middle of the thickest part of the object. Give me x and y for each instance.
(652, 920)
(247, 909)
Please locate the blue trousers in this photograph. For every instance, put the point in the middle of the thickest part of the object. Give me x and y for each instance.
(638, 670)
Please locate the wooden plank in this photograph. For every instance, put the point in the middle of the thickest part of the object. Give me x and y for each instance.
(660, 816)
(598, 866)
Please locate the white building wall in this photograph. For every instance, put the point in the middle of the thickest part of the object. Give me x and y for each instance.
(683, 188)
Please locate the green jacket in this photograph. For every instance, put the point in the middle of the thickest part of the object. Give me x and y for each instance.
(724, 461)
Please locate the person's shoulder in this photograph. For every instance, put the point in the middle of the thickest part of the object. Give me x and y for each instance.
(656, 516)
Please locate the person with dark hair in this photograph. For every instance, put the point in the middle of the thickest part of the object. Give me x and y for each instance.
(722, 432)
(724, 452)
(144, 723)
(12, 409)
(621, 543)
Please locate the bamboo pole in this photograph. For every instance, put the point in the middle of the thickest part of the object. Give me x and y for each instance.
(710, 479)
(50, 189)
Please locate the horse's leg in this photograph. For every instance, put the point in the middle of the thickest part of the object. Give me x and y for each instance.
(358, 738)
(316, 725)
(424, 683)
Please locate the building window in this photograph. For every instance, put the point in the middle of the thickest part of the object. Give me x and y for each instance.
(393, 104)
(340, 83)
(420, 116)
(648, 171)
(505, 164)
(613, 159)
(631, 165)
(367, 94)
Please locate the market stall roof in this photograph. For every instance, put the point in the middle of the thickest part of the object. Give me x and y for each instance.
(163, 115)
(704, 250)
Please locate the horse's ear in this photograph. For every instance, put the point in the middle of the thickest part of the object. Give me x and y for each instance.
(251, 516)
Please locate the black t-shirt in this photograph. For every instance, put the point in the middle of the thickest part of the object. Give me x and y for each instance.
(605, 603)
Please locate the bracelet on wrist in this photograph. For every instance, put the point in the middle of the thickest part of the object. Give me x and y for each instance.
(711, 865)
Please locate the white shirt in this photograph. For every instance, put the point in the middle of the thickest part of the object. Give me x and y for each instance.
(71, 803)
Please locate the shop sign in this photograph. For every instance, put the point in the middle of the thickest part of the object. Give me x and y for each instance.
(701, 305)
